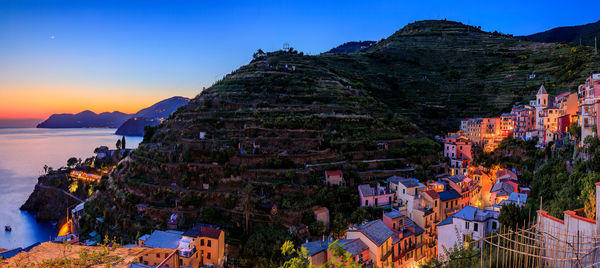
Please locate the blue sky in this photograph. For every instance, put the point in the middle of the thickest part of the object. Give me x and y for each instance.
(157, 49)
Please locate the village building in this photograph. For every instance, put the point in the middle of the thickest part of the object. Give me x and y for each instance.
(474, 130)
(199, 246)
(378, 238)
(541, 103)
(321, 214)
(431, 200)
(406, 190)
(449, 203)
(506, 124)
(462, 185)
(502, 190)
(523, 118)
(334, 177)
(589, 96)
(468, 224)
(375, 196)
(518, 199)
(457, 146)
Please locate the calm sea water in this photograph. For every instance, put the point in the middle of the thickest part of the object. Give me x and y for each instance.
(23, 153)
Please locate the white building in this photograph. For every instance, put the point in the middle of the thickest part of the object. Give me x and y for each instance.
(468, 222)
(406, 190)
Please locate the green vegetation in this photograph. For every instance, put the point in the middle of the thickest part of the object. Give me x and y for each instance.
(561, 177)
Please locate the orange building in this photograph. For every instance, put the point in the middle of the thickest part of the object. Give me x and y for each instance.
(199, 246)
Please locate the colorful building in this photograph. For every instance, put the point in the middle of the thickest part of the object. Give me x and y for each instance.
(375, 197)
(468, 224)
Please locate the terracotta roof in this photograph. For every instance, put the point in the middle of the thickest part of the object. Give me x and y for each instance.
(333, 173)
(433, 194)
(319, 210)
(204, 230)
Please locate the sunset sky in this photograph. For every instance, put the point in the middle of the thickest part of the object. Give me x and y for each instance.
(69, 56)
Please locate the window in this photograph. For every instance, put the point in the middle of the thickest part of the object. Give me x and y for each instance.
(436, 203)
(208, 243)
(158, 255)
(403, 192)
(467, 225)
(394, 226)
(475, 227)
(208, 255)
(366, 202)
(494, 225)
(201, 242)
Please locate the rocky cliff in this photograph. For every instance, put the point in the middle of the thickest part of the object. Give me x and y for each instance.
(49, 200)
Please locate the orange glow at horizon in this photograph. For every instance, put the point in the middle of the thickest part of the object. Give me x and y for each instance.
(25, 103)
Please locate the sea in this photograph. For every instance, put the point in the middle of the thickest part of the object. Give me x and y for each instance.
(23, 154)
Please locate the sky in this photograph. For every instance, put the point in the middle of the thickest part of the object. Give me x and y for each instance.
(70, 56)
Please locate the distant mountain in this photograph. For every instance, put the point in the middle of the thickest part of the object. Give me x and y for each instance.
(151, 116)
(572, 34)
(85, 119)
(351, 47)
(127, 124)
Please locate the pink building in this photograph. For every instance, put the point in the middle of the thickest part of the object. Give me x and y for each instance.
(375, 197)
(457, 147)
(589, 94)
(523, 118)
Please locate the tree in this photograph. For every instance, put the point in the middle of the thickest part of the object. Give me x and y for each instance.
(339, 225)
(123, 142)
(512, 216)
(317, 228)
(248, 203)
(118, 144)
(298, 258)
(457, 257)
(72, 162)
(341, 257)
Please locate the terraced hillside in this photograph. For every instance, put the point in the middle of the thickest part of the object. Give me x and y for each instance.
(436, 72)
(263, 125)
(251, 149)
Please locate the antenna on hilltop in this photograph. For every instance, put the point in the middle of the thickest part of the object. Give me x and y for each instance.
(286, 46)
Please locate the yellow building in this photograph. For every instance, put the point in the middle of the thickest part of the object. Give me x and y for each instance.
(201, 245)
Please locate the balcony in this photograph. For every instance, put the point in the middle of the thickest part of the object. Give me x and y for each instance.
(386, 255)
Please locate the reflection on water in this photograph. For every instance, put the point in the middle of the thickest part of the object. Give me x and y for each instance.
(23, 153)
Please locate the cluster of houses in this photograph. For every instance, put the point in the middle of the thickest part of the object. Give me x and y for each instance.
(423, 220)
(420, 220)
(545, 118)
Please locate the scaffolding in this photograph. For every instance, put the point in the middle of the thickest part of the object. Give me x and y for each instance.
(539, 246)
